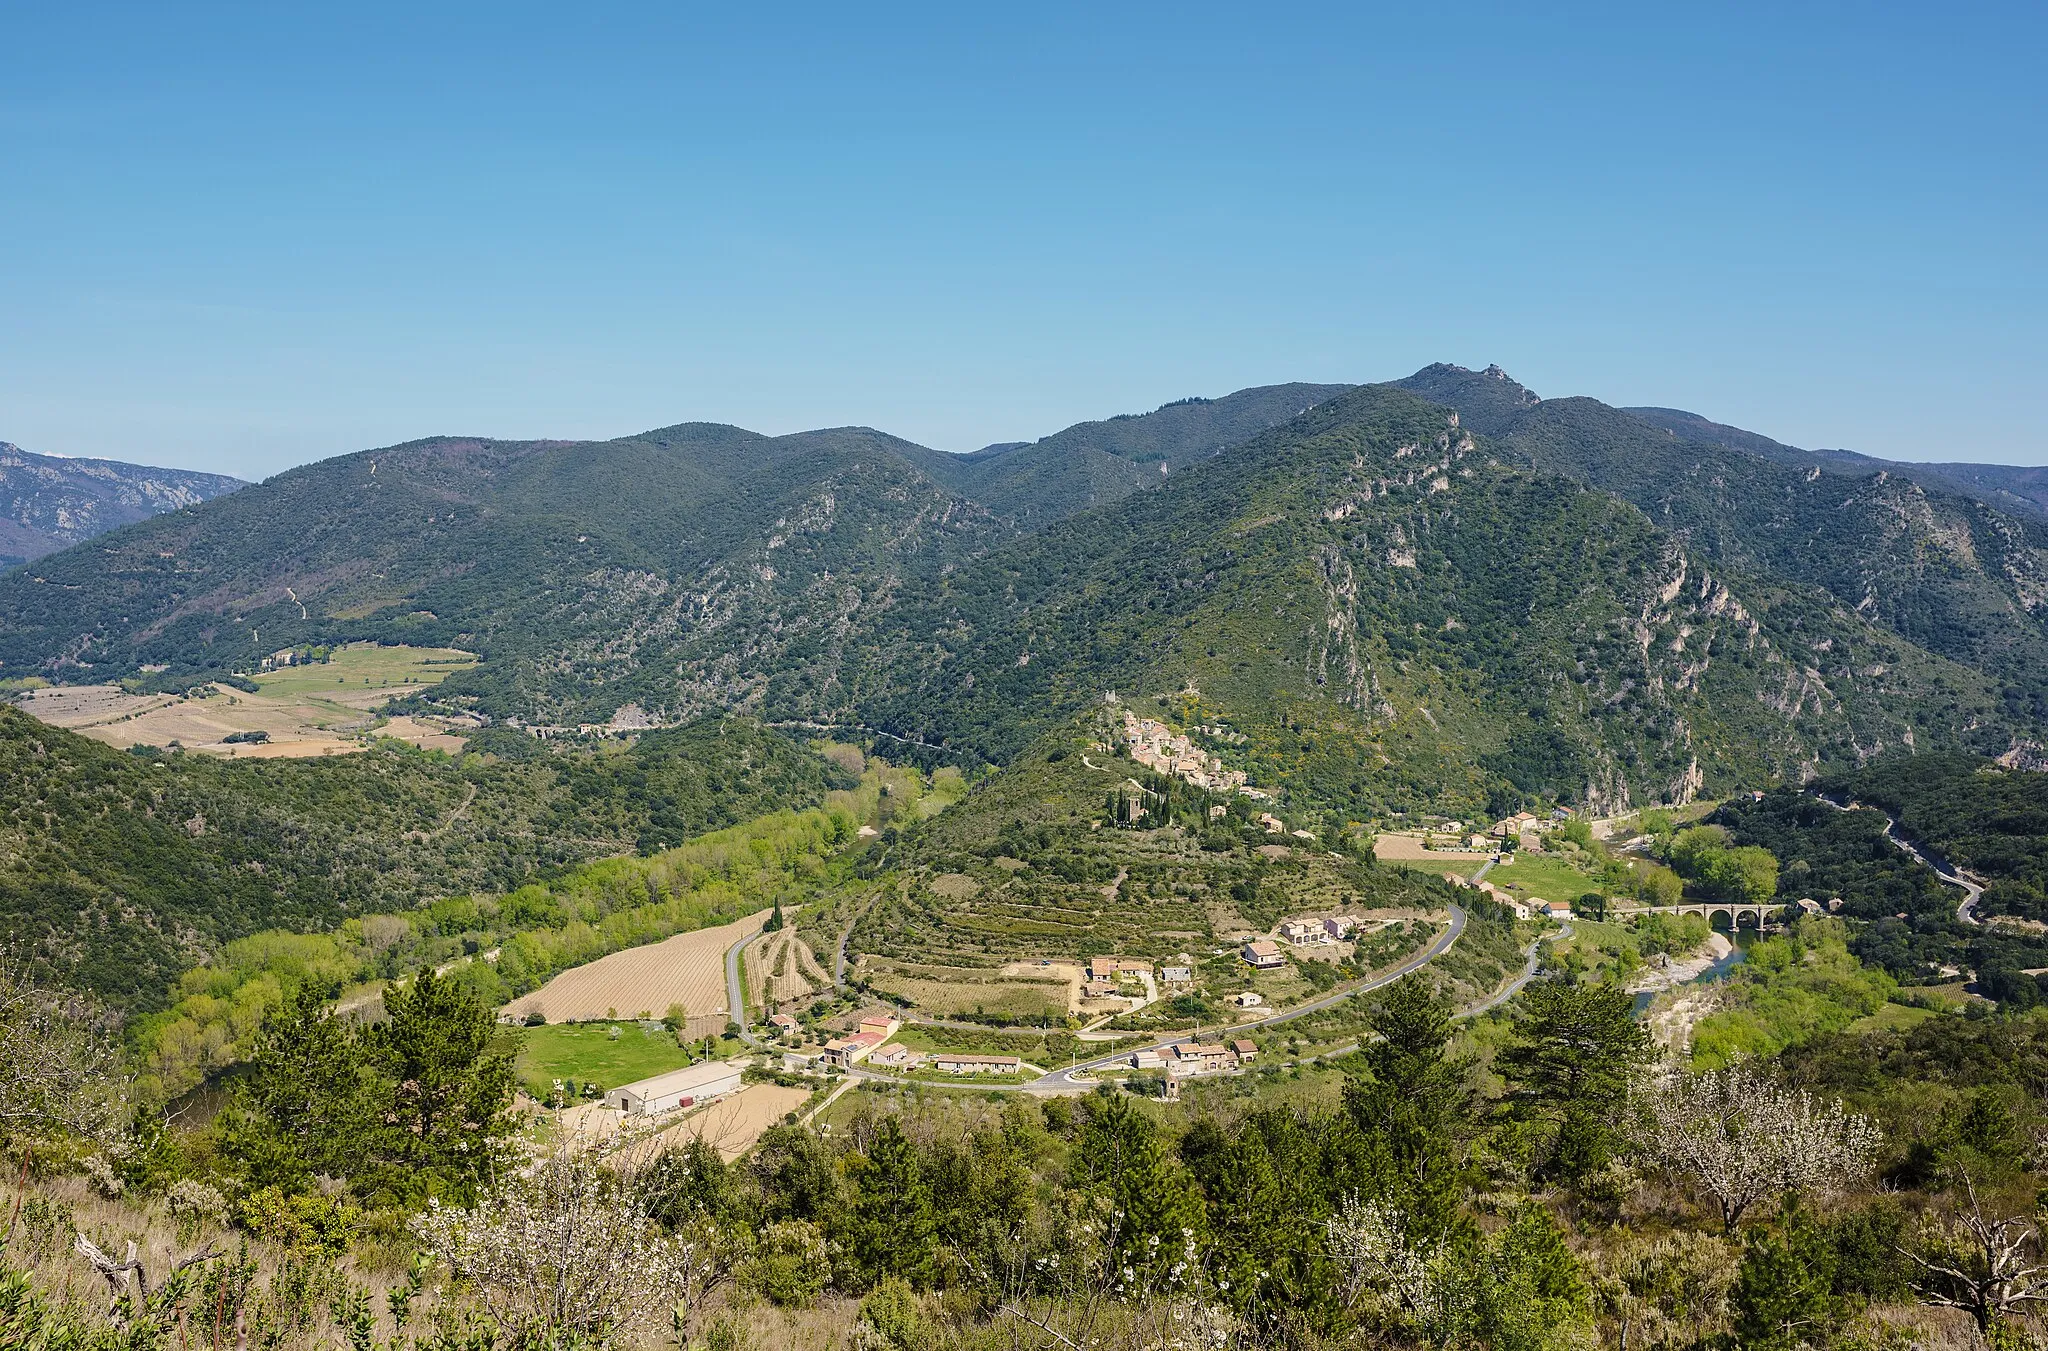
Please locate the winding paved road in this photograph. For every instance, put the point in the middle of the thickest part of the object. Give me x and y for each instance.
(1966, 910)
(1514, 987)
(735, 997)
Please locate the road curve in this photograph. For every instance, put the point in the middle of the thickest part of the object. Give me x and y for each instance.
(1966, 909)
(735, 997)
(1514, 987)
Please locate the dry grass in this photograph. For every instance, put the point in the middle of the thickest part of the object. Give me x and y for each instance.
(1019, 999)
(306, 710)
(46, 1214)
(1408, 849)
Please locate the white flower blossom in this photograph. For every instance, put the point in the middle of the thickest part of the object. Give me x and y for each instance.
(1745, 1140)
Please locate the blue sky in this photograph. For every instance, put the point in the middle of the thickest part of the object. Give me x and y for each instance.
(243, 238)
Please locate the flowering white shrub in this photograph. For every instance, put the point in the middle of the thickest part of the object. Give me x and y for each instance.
(569, 1251)
(1745, 1140)
(1380, 1267)
(58, 1065)
(190, 1198)
(101, 1173)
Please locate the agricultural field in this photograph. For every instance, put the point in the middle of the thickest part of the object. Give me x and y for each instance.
(1392, 848)
(1542, 875)
(781, 968)
(731, 1125)
(366, 666)
(321, 708)
(608, 1054)
(686, 971)
(964, 992)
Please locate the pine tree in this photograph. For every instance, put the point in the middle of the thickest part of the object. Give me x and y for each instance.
(1574, 1056)
(445, 1087)
(895, 1232)
(1120, 1156)
(302, 1108)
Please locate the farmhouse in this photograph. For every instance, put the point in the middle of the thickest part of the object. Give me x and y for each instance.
(884, 1023)
(1306, 933)
(844, 1051)
(1146, 1059)
(1245, 1051)
(1339, 926)
(976, 1064)
(1197, 1058)
(1263, 954)
(1110, 968)
(897, 1058)
(1247, 999)
(678, 1088)
(782, 1023)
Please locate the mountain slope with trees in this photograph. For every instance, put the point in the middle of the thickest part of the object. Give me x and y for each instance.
(1573, 604)
(1396, 617)
(1938, 568)
(118, 871)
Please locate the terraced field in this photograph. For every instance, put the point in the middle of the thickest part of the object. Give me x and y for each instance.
(1150, 894)
(780, 968)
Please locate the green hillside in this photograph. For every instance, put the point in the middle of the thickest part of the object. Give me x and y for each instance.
(1092, 463)
(683, 569)
(1572, 603)
(1398, 617)
(1934, 566)
(118, 871)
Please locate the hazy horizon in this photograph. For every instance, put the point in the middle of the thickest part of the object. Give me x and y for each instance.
(952, 450)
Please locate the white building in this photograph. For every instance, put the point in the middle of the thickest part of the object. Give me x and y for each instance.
(678, 1088)
(1306, 933)
(976, 1064)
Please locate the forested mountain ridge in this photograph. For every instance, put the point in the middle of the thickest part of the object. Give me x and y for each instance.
(681, 569)
(539, 555)
(1503, 624)
(118, 870)
(1095, 462)
(1938, 568)
(50, 502)
(1398, 616)
(2008, 487)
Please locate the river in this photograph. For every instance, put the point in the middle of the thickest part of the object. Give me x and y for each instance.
(1718, 969)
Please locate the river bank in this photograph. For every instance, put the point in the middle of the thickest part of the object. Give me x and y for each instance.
(1707, 961)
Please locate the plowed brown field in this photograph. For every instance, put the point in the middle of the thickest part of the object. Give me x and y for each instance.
(688, 969)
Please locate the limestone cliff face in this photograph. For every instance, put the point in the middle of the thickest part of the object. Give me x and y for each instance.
(48, 502)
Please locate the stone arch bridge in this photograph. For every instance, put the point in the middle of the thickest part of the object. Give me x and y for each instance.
(1759, 912)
